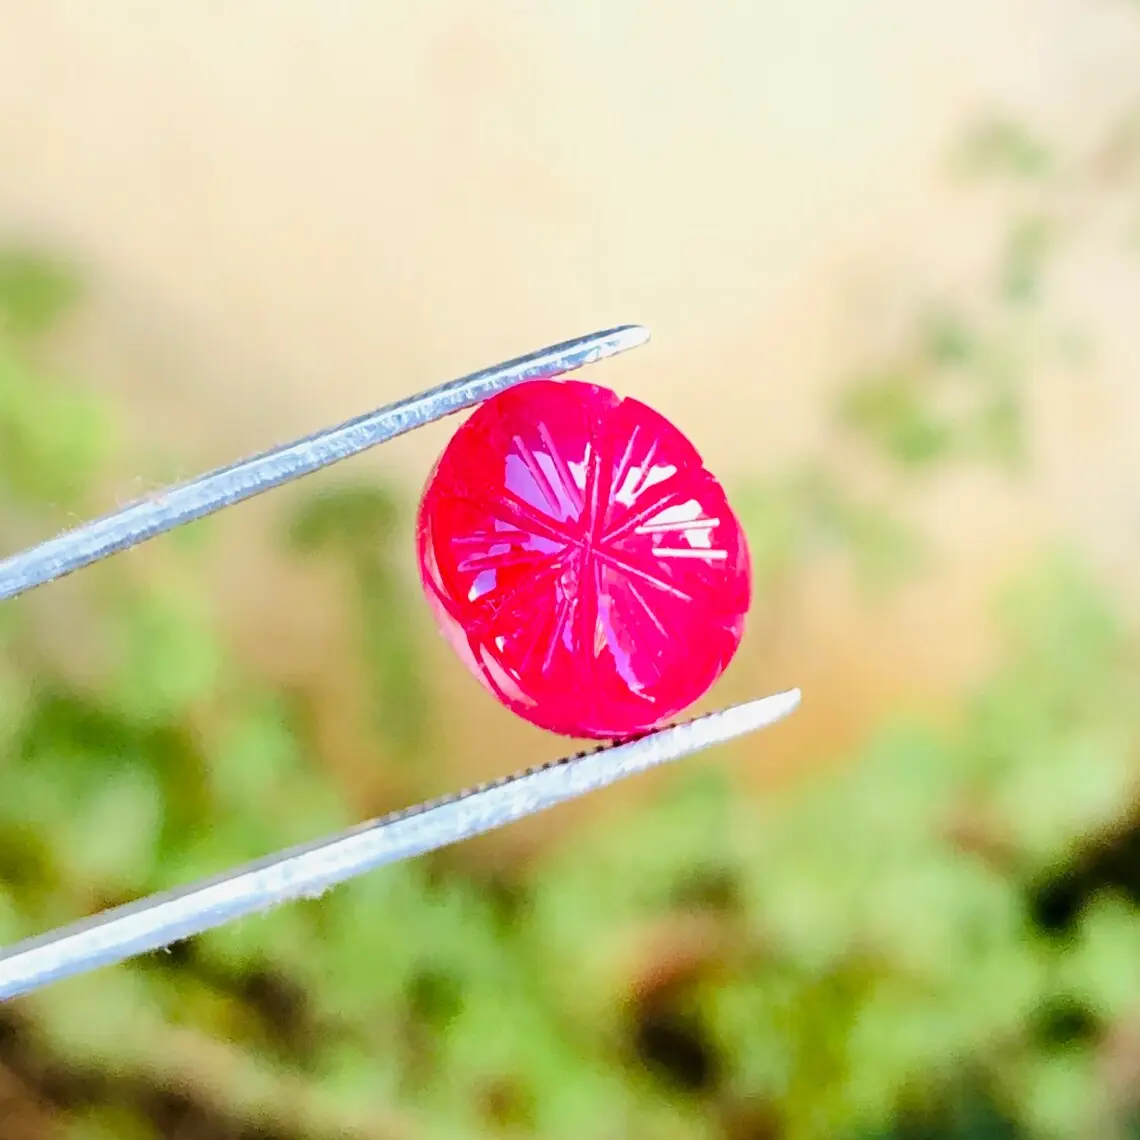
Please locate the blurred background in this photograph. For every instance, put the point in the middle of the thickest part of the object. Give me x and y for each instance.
(890, 254)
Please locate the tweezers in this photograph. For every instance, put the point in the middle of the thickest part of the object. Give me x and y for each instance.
(307, 871)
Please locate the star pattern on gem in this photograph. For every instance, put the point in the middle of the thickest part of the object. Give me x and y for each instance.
(582, 560)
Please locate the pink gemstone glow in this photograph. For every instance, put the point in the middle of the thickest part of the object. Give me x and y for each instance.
(581, 560)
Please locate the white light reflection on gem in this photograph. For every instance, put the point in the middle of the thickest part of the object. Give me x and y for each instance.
(638, 480)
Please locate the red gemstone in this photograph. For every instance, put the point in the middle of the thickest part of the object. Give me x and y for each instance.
(582, 561)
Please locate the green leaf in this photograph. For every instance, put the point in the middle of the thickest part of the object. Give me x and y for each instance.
(1103, 968)
(891, 410)
(36, 290)
(169, 657)
(105, 1123)
(112, 837)
(1060, 1096)
(1074, 789)
(1030, 244)
(1005, 147)
(359, 519)
(52, 441)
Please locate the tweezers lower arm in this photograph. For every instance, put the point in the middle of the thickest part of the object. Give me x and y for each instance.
(309, 871)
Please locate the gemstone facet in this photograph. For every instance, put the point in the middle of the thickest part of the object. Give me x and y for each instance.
(581, 560)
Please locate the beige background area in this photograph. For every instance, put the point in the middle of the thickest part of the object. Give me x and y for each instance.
(292, 210)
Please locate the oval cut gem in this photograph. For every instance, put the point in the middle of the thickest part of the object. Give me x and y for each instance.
(582, 561)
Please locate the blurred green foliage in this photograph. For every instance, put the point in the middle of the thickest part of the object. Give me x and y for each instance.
(937, 937)
(1006, 147)
(359, 525)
